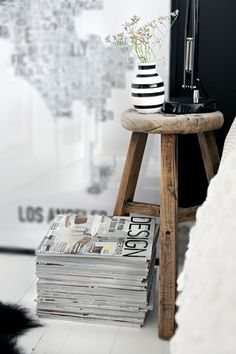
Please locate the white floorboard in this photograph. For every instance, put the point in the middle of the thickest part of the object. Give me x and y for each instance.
(18, 284)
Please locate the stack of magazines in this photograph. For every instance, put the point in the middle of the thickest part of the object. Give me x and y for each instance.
(97, 269)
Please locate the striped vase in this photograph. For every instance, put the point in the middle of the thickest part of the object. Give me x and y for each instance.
(147, 89)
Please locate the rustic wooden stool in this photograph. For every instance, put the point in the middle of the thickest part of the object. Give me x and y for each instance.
(169, 126)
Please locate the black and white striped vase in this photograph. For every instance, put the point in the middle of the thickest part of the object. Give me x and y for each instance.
(147, 89)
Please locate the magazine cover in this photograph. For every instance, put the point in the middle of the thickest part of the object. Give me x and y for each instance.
(100, 236)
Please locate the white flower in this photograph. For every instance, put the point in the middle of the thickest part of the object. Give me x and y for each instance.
(145, 41)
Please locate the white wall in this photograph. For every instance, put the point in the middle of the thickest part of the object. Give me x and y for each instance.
(46, 160)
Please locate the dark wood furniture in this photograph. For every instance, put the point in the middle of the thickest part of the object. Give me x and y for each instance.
(169, 126)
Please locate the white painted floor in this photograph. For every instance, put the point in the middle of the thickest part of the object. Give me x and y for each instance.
(17, 279)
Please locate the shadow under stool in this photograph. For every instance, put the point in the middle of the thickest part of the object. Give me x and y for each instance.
(169, 126)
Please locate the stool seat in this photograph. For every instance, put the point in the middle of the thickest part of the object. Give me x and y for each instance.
(162, 123)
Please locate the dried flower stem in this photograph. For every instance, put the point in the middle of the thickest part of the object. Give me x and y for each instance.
(145, 41)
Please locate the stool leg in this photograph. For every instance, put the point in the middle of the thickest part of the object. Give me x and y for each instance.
(131, 171)
(168, 236)
(209, 152)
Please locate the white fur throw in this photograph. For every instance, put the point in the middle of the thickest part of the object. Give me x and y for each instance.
(207, 303)
(230, 142)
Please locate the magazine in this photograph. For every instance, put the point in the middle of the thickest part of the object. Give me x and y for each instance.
(97, 269)
(102, 236)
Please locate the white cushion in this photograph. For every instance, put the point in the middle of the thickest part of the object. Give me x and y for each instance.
(207, 304)
(230, 142)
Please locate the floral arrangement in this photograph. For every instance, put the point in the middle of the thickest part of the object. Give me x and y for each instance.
(145, 41)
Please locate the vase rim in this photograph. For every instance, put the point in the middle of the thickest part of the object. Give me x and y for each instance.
(147, 63)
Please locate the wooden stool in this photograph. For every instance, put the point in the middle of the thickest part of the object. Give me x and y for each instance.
(169, 126)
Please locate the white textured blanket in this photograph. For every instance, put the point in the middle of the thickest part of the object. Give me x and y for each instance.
(207, 303)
